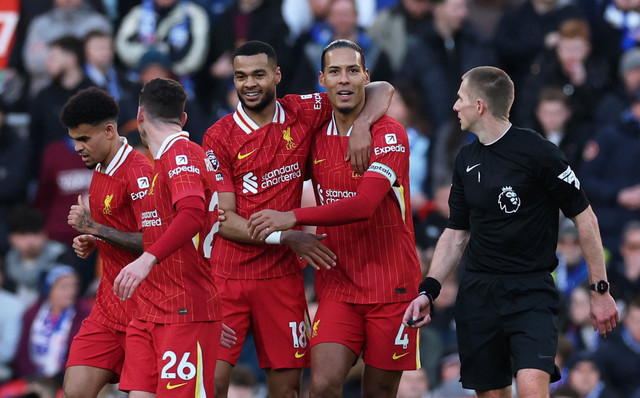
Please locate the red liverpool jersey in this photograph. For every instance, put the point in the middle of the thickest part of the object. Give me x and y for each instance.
(180, 288)
(377, 260)
(114, 200)
(265, 168)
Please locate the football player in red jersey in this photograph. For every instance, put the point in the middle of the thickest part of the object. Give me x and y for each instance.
(179, 305)
(120, 175)
(367, 218)
(260, 154)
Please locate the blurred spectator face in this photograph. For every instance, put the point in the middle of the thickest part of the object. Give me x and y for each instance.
(398, 109)
(68, 5)
(28, 244)
(64, 291)
(416, 8)
(552, 115)
(59, 61)
(584, 377)
(343, 16)
(255, 81)
(630, 250)
(249, 5)
(627, 5)
(632, 322)
(579, 307)
(154, 71)
(451, 13)
(413, 384)
(165, 3)
(319, 8)
(569, 248)
(99, 52)
(572, 50)
(631, 80)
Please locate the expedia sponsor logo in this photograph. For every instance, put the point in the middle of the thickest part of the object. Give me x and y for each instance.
(151, 219)
(390, 148)
(143, 183)
(283, 174)
(318, 98)
(182, 159)
(138, 195)
(390, 139)
(191, 169)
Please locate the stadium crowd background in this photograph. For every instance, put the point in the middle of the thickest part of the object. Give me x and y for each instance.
(575, 64)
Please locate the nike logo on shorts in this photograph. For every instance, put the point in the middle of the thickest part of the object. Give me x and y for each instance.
(298, 355)
(396, 356)
(172, 386)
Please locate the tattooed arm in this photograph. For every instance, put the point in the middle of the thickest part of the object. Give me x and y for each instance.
(80, 219)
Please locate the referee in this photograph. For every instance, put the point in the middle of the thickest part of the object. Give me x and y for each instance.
(508, 187)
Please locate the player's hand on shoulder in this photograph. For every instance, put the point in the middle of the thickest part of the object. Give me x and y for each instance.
(264, 222)
(308, 248)
(84, 245)
(418, 313)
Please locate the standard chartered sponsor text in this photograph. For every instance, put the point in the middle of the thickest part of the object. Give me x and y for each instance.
(151, 219)
(284, 173)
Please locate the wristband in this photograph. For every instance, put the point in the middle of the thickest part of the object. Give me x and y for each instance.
(430, 287)
(273, 238)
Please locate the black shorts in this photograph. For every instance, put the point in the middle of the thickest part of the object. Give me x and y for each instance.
(505, 323)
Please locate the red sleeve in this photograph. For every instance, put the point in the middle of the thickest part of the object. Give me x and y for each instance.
(187, 224)
(360, 207)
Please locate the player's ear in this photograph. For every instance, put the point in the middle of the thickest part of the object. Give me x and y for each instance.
(184, 118)
(321, 79)
(366, 72)
(111, 130)
(278, 77)
(140, 116)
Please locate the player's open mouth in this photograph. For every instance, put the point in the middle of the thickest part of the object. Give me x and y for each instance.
(252, 95)
(344, 94)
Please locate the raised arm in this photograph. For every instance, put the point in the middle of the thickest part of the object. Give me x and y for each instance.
(604, 313)
(377, 99)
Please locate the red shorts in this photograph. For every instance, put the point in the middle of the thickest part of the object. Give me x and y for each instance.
(97, 346)
(373, 330)
(276, 311)
(171, 360)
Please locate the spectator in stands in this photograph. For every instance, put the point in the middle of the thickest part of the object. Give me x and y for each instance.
(585, 379)
(10, 326)
(14, 173)
(341, 23)
(616, 102)
(64, 67)
(572, 268)
(619, 357)
(609, 176)
(67, 18)
(554, 118)
(625, 274)
(450, 385)
(448, 47)
(413, 384)
(176, 28)
(32, 253)
(583, 76)
(243, 382)
(99, 64)
(49, 326)
(527, 30)
(580, 330)
(396, 27)
(155, 64)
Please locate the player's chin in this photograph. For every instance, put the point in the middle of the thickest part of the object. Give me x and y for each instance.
(90, 165)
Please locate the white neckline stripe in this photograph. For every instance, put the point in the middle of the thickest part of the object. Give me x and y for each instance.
(249, 126)
(169, 141)
(119, 158)
(332, 128)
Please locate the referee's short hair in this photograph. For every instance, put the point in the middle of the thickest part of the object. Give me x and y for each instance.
(494, 86)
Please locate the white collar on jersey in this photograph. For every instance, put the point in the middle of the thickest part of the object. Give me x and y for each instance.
(118, 159)
(169, 141)
(501, 135)
(332, 128)
(249, 126)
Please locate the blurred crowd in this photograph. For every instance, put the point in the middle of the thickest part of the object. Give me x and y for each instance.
(576, 69)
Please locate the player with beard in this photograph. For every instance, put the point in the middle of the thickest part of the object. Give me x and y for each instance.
(260, 153)
(121, 178)
(367, 220)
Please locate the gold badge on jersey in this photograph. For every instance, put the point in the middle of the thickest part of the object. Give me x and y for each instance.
(153, 184)
(107, 204)
(286, 135)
